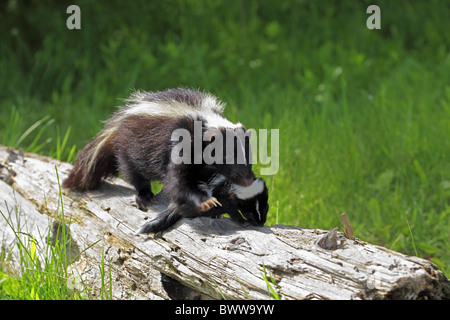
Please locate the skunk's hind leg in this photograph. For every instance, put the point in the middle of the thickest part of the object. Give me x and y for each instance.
(144, 190)
(144, 198)
(142, 184)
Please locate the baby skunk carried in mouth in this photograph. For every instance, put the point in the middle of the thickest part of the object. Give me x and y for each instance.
(241, 203)
(137, 141)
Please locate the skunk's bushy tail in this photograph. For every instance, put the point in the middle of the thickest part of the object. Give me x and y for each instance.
(96, 161)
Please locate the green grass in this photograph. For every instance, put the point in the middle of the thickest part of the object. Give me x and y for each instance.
(364, 115)
(271, 284)
(42, 272)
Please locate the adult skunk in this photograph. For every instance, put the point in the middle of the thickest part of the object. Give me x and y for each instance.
(241, 203)
(137, 141)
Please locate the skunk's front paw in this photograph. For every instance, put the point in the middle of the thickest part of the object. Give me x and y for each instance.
(209, 204)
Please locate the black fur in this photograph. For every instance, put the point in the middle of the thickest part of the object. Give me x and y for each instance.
(143, 149)
(140, 147)
(239, 210)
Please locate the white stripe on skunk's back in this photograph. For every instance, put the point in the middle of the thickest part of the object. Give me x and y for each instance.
(209, 108)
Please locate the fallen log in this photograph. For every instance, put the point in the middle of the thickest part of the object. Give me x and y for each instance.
(199, 258)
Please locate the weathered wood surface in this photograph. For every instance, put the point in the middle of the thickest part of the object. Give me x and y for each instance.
(215, 257)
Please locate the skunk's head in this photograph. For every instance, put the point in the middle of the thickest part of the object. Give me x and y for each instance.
(238, 174)
(252, 201)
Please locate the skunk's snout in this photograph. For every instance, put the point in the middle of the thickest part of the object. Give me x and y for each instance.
(255, 222)
(258, 223)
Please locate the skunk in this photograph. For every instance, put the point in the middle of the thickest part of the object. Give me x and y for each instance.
(241, 203)
(137, 141)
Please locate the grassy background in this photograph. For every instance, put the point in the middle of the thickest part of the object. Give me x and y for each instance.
(364, 115)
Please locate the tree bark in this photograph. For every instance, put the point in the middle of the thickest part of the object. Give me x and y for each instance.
(199, 258)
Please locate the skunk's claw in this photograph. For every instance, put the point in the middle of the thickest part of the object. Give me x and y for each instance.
(209, 204)
(216, 202)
